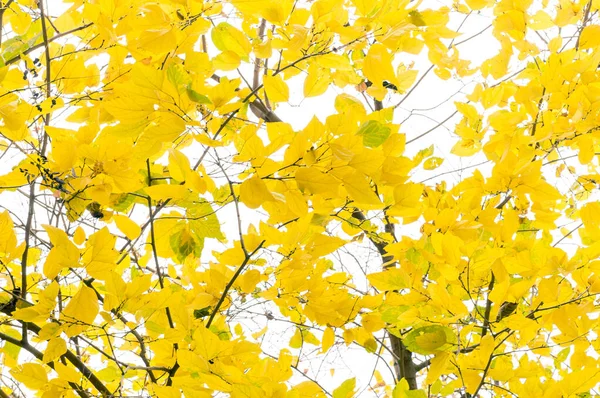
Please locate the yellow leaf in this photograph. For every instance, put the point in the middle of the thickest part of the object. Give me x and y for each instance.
(99, 255)
(407, 197)
(8, 242)
(56, 347)
(327, 340)
(227, 60)
(157, 41)
(466, 147)
(377, 65)
(486, 348)
(317, 81)
(208, 345)
(256, 335)
(228, 38)
(390, 279)
(307, 389)
(585, 143)
(405, 78)
(478, 4)
(555, 44)
(79, 236)
(179, 165)
(296, 340)
(127, 226)
(83, 307)
(365, 7)
(346, 389)
(431, 341)
(540, 21)
(316, 182)
(32, 375)
(438, 366)
(359, 189)
(138, 286)
(20, 21)
(432, 163)
(320, 245)
(166, 391)
(254, 192)
(67, 373)
(29, 314)
(63, 253)
(276, 88)
(296, 203)
(248, 281)
(195, 182)
(590, 37)
(50, 330)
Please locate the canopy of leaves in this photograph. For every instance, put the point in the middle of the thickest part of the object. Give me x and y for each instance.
(204, 197)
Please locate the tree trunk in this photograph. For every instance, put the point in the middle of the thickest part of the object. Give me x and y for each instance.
(403, 363)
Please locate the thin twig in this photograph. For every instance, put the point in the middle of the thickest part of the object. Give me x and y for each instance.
(432, 129)
(568, 234)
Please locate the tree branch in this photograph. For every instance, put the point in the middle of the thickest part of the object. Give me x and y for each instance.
(48, 78)
(25, 255)
(586, 16)
(50, 40)
(72, 358)
(3, 8)
(238, 272)
(488, 307)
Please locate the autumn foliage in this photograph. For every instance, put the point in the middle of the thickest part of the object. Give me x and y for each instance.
(248, 198)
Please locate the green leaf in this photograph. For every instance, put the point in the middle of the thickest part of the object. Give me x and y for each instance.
(371, 345)
(121, 202)
(204, 222)
(392, 314)
(374, 133)
(423, 153)
(203, 312)
(184, 244)
(346, 389)
(197, 97)
(430, 339)
(414, 256)
(401, 390)
(561, 356)
(416, 18)
(227, 37)
(19, 44)
(178, 78)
